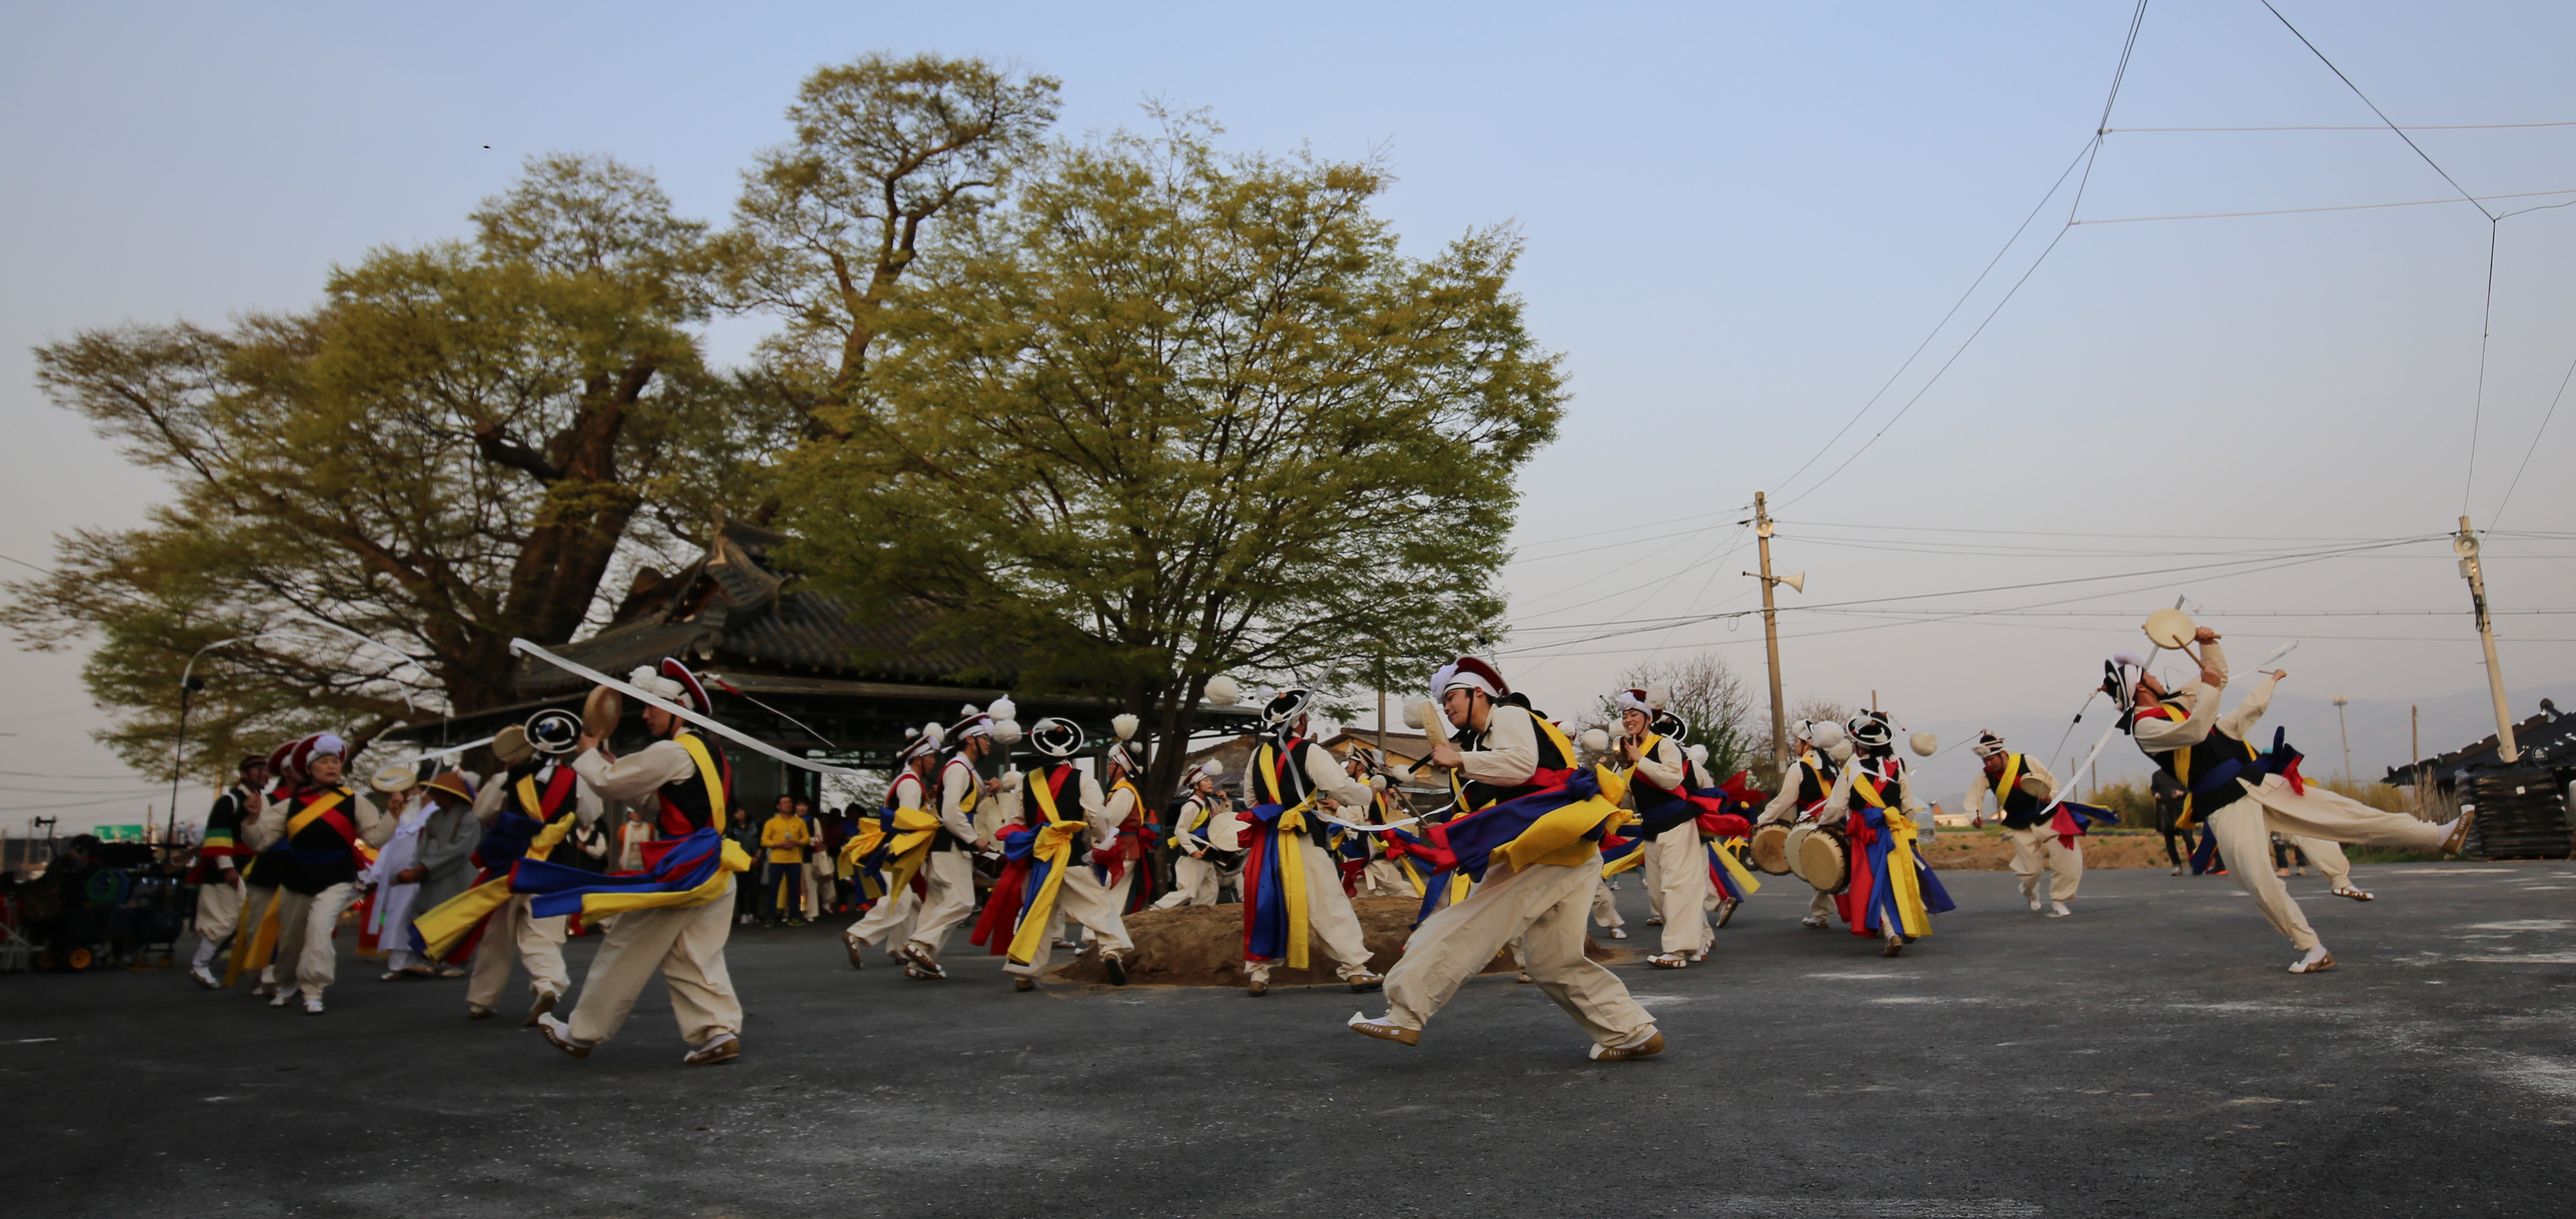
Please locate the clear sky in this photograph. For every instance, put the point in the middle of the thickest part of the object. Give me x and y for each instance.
(1740, 220)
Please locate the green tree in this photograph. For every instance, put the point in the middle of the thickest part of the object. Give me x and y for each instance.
(1173, 413)
(462, 443)
(885, 151)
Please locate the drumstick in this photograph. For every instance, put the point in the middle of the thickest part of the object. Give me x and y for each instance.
(1435, 725)
(2277, 653)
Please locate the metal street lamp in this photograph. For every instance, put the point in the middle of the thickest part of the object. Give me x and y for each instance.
(190, 683)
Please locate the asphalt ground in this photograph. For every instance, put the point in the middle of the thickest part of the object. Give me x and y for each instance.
(2148, 1056)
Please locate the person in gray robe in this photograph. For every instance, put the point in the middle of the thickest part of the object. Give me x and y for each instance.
(446, 853)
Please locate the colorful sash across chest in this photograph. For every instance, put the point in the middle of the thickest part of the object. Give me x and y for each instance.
(890, 847)
(1035, 856)
(1565, 824)
(1891, 887)
(1275, 917)
(325, 809)
(1129, 846)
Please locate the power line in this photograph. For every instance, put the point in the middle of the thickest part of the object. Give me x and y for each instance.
(2064, 533)
(2533, 447)
(2486, 321)
(1955, 306)
(1626, 528)
(2271, 562)
(2407, 127)
(39, 808)
(2092, 152)
(2340, 207)
(2386, 121)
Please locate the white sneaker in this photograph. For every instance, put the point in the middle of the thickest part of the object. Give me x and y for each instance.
(204, 977)
(559, 1035)
(2058, 910)
(312, 1005)
(1618, 933)
(2034, 902)
(1384, 1028)
(284, 997)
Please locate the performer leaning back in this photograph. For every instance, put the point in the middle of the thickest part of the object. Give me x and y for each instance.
(2246, 797)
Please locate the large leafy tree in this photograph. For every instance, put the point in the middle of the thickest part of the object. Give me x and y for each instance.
(1172, 413)
(462, 443)
(886, 150)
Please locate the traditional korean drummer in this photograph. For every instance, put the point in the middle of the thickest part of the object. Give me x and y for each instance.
(1817, 780)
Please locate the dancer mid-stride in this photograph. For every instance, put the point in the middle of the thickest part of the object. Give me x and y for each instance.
(1540, 857)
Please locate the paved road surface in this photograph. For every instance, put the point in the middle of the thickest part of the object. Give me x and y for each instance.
(2148, 1057)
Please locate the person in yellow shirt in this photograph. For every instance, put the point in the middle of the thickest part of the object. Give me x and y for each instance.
(782, 888)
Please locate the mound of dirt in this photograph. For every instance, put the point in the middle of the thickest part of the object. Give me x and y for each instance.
(1203, 946)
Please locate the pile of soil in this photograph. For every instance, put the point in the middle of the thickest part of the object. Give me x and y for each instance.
(1973, 851)
(1203, 946)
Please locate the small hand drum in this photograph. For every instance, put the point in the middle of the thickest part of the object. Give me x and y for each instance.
(1771, 849)
(2033, 785)
(600, 713)
(2170, 628)
(399, 777)
(1822, 856)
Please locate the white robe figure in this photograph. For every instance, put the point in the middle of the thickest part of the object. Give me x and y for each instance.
(389, 923)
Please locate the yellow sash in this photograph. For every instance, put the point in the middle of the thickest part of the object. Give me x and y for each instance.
(712, 778)
(1559, 836)
(1188, 823)
(2004, 786)
(1292, 878)
(1735, 869)
(1292, 857)
(298, 823)
(444, 926)
(718, 883)
(1054, 846)
(263, 941)
(1914, 918)
(913, 829)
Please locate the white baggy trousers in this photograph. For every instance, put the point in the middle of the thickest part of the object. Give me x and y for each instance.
(685, 943)
(1329, 915)
(1098, 907)
(2244, 830)
(1680, 885)
(515, 936)
(1545, 905)
(304, 926)
(2036, 849)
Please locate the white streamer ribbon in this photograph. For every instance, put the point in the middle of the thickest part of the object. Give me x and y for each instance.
(440, 752)
(2077, 780)
(708, 722)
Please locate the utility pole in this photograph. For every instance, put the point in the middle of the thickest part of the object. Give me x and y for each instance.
(2415, 754)
(1381, 723)
(2344, 730)
(1771, 629)
(2465, 544)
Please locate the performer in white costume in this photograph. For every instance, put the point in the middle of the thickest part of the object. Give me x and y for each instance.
(2245, 797)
